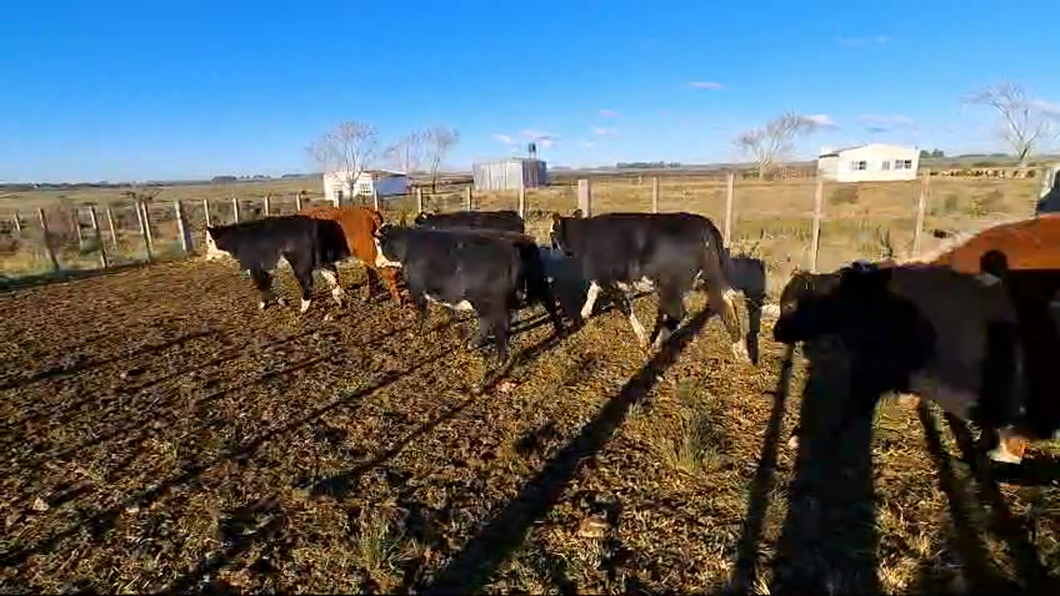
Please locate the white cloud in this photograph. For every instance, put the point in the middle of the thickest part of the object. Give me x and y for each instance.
(1049, 108)
(600, 131)
(877, 123)
(707, 85)
(503, 138)
(861, 41)
(821, 120)
(544, 139)
(587, 144)
(609, 113)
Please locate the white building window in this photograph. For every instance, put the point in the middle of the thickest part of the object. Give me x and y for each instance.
(886, 165)
(903, 164)
(858, 165)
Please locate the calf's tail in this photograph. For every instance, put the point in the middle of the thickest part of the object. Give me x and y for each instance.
(718, 274)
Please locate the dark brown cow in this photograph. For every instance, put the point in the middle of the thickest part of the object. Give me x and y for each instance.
(1025, 255)
(359, 224)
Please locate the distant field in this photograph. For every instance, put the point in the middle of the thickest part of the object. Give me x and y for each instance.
(772, 220)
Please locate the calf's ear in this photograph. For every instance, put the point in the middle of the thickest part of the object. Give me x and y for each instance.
(577, 212)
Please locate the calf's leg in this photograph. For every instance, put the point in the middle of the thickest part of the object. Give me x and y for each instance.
(625, 304)
(723, 300)
(590, 299)
(302, 267)
(371, 277)
(263, 282)
(331, 274)
(671, 313)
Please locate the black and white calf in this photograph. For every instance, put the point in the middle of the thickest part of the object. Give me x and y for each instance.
(489, 272)
(307, 244)
(494, 220)
(671, 253)
(928, 330)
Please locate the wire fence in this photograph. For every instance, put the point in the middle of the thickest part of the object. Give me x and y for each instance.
(797, 222)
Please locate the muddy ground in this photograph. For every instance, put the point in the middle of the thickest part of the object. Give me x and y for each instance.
(162, 433)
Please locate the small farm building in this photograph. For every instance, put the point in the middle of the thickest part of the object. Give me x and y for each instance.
(385, 182)
(874, 162)
(510, 174)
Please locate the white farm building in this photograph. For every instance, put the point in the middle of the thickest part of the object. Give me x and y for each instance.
(339, 190)
(875, 162)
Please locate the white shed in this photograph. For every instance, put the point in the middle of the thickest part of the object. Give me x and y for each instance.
(385, 182)
(875, 162)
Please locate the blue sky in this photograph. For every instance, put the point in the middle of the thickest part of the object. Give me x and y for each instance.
(177, 89)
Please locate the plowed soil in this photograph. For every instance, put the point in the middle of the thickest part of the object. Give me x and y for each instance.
(159, 432)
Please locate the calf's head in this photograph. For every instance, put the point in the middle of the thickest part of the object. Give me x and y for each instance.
(813, 305)
(213, 250)
(560, 231)
(390, 245)
(421, 217)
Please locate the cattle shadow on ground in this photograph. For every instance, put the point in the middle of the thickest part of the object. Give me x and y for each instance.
(471, 568)
(745, 570)
(11, 284)
(339, 485)
(998, 516)
(50, 373)
(828, 540)
(982, 575)
(102, 522)
(270, 521)
(67, 411)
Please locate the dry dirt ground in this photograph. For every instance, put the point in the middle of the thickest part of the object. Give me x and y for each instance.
(162, 433)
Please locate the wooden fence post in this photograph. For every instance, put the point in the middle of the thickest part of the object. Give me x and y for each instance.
(110, 225)
(182, 227)
(48, 239)
(1050, 181)
(815, 240)
(235, 209)
(99, 237)
(654, 194)
(298, 202)
(145, 232)
(730, 191)
(268, 205)
(585, 197)
(149, 234)
(18, 224)
(75, 221)
(467, 198)
(921, 208)
(522, 201)
(419, 200)
(375, 196)
(206, 211)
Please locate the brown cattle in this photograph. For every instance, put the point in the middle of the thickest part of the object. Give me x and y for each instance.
(359, 224)
(1025, 255)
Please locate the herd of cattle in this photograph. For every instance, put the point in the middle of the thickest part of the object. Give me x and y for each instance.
(973, 328)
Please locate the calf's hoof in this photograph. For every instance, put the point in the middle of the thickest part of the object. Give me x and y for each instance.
(1010, 448)
(740, 352)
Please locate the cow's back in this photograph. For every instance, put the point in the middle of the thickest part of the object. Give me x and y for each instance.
(358, 223)
(962, 311)
(464, 256)
(1032, 243)
(623, 244)
(493, 220)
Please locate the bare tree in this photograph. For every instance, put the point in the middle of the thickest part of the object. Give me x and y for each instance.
(407, 154)
(346, 150)
(1023, 122)
(439, 140)
(773, 143)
